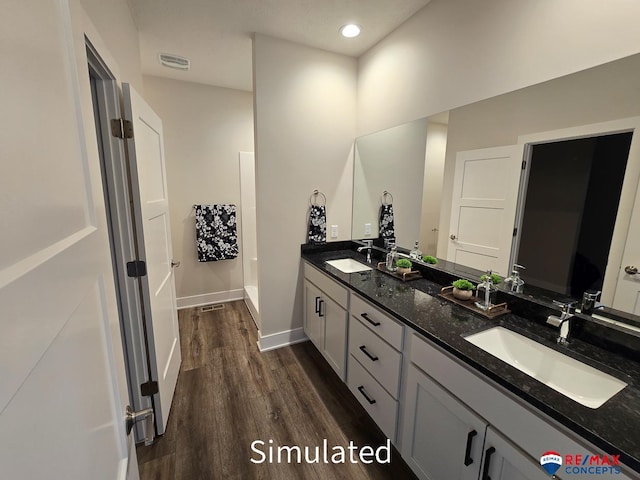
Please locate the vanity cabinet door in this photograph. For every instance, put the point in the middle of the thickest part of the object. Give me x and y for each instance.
(325, 323)
(442, 438)
(504, 461)
(335, 334)
(313, 322)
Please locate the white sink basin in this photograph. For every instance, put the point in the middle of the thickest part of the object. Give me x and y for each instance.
(580, 382)
(348, 265)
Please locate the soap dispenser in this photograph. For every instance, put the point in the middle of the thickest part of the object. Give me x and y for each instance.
(392, 256)
(485, 289)
(517, 284)
(415, 254)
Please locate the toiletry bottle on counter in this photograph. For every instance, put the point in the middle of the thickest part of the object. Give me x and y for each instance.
(415, 254)
(392, 256)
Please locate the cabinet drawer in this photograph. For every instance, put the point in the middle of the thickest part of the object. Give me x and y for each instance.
(375, 399)
(376, 356)
(377, 321)
(339, 293)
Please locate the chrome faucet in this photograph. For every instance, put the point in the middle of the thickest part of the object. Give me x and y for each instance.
(517, 284)
(563, 321)
(367, 246)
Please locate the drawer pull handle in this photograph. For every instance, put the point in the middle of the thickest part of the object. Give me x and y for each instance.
(369, 399)
(487, 462)
(467, 452)
(320, 309)
(366, 317)
(317, 306)
(364, 350)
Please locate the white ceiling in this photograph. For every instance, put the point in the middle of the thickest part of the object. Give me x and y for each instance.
(216, 34)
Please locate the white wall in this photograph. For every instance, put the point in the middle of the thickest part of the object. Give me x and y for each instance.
(115, 23)
(454, 52)
(305, 125)
(204, 129)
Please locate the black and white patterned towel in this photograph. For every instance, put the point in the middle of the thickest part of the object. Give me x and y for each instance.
(216, 232)
(317, 232)
(386, 227)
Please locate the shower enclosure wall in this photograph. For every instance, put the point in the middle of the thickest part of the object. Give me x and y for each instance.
(249, 239)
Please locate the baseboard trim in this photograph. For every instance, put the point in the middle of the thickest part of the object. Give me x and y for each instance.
(209, 298)
(281, 339)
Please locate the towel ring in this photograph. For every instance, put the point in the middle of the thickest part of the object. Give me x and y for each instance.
(313, 199)
(386, 194)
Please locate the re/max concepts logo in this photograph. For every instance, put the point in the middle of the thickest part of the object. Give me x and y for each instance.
(580, 464)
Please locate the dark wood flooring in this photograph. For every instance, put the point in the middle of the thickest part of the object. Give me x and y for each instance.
(229, 394)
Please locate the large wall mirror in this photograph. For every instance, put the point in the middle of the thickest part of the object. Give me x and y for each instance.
(471, 203)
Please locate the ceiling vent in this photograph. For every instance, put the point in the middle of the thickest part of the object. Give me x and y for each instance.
(174, 61)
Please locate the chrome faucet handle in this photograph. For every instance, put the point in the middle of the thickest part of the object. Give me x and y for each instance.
(566, 308)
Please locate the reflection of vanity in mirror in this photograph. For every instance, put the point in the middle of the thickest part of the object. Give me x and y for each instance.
(527, 177)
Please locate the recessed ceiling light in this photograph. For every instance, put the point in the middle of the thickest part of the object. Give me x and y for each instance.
(350, 30)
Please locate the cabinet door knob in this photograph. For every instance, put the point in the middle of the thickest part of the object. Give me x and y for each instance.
(452, 236)
(630, 269)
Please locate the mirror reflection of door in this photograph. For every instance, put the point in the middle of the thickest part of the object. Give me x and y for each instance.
(569, 214)
(483, 207)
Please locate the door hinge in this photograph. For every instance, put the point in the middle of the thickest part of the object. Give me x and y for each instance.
(149, 388)
(121, 128)
(515, 231)
(137, 268)
(524, 164)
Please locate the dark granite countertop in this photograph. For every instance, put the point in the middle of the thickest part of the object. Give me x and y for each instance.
(614, 427)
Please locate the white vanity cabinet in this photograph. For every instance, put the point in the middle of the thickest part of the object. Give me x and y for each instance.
(326, 317)
(375, 362)
(445, 402)
(445, 439)
(502, 460)
(442, 438)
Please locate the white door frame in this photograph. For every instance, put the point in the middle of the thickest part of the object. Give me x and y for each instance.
(627, 196)
(115, 179)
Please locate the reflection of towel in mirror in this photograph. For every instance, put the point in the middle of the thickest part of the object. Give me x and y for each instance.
(386, 227)
(317, 232)
(216, 232)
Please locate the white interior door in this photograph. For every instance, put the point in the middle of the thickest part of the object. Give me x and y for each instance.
(151, 209)
(63, 388)
(483, 207)
(627, 294)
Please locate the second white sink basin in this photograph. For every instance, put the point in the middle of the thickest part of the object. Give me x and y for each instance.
(348, 265)
(576, 380)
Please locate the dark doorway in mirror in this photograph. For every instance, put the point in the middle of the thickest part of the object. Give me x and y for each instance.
(572, 197)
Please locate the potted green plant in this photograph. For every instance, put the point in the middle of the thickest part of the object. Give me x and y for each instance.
(429, 259)
(463, 289)
(495, 279)
(404, 266)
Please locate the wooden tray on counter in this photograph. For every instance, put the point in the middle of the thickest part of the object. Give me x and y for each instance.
(405, 277)
(493, 312)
